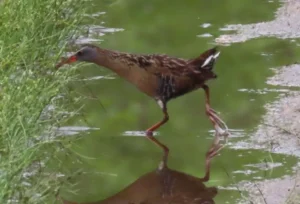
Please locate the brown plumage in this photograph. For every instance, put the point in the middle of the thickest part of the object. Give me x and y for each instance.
(165, 186)
(161, 77)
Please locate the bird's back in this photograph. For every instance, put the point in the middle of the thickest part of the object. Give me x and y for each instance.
(162, 76)
(178, 76)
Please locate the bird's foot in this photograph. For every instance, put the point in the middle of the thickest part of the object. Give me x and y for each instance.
(213, 151)
(219, 131)
(216, 146)
(219, 125)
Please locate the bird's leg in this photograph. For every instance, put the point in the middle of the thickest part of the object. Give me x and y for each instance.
(149, 133)
(219, 125)
(212, 152)
(221, 129)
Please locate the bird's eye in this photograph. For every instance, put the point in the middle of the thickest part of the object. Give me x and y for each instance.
(80, 53)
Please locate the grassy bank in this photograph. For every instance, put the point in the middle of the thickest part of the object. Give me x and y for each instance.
(33, 35)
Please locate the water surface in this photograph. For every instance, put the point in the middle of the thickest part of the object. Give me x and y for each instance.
(115, 155)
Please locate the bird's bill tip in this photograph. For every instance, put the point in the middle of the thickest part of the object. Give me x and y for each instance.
(64, 61)
(71, 59)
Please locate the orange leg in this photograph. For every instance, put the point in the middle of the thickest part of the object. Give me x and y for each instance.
(219, 125)
(211, 153)
(221, 129)
(149, 133)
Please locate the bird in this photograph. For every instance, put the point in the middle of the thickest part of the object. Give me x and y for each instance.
(163, 78)
(163, 186)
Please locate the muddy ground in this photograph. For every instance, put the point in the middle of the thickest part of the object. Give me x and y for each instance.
(280, 130)
(279, 133)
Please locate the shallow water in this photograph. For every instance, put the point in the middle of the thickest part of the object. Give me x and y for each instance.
(116, 154)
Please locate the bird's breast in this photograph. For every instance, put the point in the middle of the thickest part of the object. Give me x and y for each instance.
(145, 82)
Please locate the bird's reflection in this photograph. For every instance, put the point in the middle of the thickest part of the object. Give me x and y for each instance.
(165, 186)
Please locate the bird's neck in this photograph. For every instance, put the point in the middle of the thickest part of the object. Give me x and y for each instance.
(113, 60)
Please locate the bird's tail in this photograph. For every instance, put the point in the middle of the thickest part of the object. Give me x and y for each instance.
(206, 60)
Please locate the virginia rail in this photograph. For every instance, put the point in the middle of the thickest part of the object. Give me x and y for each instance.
(161, 77)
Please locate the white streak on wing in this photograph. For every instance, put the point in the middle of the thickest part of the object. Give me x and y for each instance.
(207, 61)
(211, 57)
(217, 55)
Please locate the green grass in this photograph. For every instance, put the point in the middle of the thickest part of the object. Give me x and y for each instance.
(33, 35)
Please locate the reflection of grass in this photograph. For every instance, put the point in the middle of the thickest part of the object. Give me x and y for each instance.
(32, 33)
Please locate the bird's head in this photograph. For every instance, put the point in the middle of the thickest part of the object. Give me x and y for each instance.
(87, 53)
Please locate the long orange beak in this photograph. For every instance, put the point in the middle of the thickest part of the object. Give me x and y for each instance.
(64, 61)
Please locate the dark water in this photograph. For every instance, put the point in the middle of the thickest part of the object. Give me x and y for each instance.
(113, 159)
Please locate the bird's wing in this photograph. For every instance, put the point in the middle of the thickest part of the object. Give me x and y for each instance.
(206, 60)
(164, 64)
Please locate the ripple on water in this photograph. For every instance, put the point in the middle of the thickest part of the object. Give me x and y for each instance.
(137, 133)
(205, 35)
(265, 165)
(245, 172)
(94, 32)
(205, 25)
(235, 133)
(73, 130)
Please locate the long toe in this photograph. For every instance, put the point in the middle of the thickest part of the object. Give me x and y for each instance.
(218, 120)
(226, 135)
(214, 151)
(213, 110)
(220, 131)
